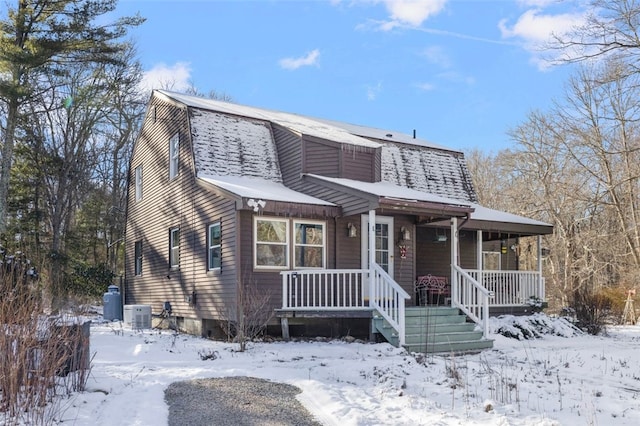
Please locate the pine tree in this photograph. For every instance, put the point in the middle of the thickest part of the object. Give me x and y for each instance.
(40, 37)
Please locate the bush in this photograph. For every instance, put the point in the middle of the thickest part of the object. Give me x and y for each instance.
(40, 357)
(592, 309)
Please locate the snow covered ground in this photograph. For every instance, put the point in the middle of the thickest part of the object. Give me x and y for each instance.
(552, 380)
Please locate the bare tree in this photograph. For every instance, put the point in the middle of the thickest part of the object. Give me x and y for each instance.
(578, 167)
(610, 29)
(250, 316)
(72, 135)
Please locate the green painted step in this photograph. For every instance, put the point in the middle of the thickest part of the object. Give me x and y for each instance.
(442, 337)
(452, 347)
(431, 311)
(435, 330)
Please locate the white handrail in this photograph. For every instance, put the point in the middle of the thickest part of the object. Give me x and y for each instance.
(511, 288)
(470, 297)
(346, 289)
(387, 297)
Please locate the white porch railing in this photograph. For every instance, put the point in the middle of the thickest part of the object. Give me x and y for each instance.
(470, 297)
(387, 297)
(511, 288)
(346, 289)
(325, 289)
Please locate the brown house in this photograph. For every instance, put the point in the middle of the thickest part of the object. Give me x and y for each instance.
(344, 227)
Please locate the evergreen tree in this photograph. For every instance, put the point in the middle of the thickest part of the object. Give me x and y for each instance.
(47, 37)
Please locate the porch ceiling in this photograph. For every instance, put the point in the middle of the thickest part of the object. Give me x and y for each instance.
(425, 210)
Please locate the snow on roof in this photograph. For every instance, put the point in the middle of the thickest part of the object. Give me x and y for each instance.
(249, 149)
(247, 187)
(391, 190)
(434, 171)
(297, 123)
(381, 134)
(491, 215)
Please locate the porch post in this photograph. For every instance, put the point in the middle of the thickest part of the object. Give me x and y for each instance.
(454, 260)
(541, 285)
(539, 249)
(371, 235)
(479, 264)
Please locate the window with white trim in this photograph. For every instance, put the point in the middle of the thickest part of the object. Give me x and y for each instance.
(491, 261)
(308, 244)
(138, 257)
(138, 180)
(174, 155)
(271, 243)
(214, 246)
(174, 247)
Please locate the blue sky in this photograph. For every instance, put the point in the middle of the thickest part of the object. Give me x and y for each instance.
(461, 73)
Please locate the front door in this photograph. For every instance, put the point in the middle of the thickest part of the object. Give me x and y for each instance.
(384, 243)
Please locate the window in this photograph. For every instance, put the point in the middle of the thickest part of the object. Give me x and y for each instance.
(308, 245)
(174, 247)
(491, 261)
(271, 243)
(213, 247)
(273, 247)
(174, 155)
(139, 183)
(138, 258)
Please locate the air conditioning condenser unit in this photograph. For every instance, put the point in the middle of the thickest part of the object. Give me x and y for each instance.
(137, 316)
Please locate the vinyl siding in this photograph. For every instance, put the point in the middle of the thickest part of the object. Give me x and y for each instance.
(177, 203)
(289, 149)
(360, 164)
(320, 157)
(270, 281)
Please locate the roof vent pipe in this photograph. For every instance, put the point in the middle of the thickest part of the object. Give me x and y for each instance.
(414, 133)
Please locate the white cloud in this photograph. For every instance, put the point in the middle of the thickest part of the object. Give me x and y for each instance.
(404, 13)
(310, 58)
(536, 29)
(413, 12)
(374, 91)
(173, 77)
(533, 26)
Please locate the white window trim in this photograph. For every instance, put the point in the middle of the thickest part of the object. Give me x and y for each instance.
(211, 247)
(324, 243)
(138, 180)
(173, 246)
(287, 243)
(174, 156)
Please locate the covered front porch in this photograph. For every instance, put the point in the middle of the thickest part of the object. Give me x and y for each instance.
(373, 291)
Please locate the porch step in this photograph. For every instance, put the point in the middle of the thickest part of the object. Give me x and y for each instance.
(471, 346)
(435, 329)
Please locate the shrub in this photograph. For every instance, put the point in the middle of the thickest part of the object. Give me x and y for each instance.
(40, 357)
(592, 309)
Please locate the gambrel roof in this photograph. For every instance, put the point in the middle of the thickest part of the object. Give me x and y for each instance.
(228, 145)
(429, 170)
(235, 150)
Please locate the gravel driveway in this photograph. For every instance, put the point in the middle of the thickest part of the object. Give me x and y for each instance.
(236, 401)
